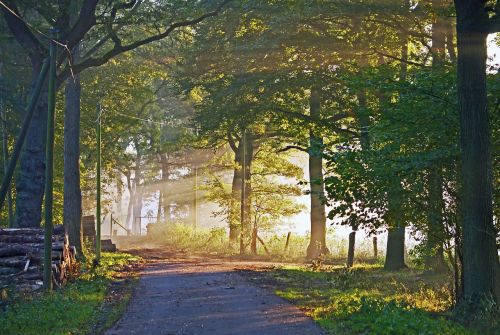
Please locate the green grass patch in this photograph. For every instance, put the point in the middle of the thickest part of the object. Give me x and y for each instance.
(368, 300)
(75, 309)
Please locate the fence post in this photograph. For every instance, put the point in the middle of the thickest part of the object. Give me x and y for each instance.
(49, 167)
(287, 241)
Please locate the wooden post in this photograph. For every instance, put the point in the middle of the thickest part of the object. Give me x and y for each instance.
(287, 241)
(263, 244)
(49, 167)
(111, 225)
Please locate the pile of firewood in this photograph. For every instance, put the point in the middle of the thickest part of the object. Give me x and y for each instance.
(21, 257)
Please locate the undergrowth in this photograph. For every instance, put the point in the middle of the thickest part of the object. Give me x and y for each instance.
(214, 241)
(71, 310)
(367, 300)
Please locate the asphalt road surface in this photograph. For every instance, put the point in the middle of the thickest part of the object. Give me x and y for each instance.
(207, 297)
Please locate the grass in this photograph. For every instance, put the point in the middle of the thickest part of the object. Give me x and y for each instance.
(214, 241)
(368, 300)
(81, 307)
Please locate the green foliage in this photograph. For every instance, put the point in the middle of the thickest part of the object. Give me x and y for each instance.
(186, 238)
(74, 309)
(274, 186)
(352, 301)
(376, 316)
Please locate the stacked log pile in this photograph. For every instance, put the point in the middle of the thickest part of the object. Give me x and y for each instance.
(21, 257)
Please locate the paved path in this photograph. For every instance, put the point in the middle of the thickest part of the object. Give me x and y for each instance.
(202, 298)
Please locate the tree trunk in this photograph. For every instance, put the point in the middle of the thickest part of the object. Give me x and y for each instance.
(5, 138)
(193, 201)
(350, 250)
(480, 258)
(317, 243)
(434, 260)
(31, 178)
(137, 207)
(165, 174)
(395, 256)
(158, 210)
(246, 195)
(130, 211)
(253, 246)
(234, 211)
(363, 119)
(131, 200)
(72, 208)
(137, 226)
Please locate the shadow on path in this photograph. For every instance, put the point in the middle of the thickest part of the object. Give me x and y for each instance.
(199, 298)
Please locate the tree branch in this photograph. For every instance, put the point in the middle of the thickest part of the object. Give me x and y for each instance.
(291, 147)
(86, 20)
(119, 49)
(398, 58)
(231, 142)
(494, 23)
(22, 33)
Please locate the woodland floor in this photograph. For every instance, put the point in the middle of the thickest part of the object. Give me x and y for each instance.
(179, 294)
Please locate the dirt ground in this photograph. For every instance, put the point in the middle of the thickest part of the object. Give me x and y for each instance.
(180, 295)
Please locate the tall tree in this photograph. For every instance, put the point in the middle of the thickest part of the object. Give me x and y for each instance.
(481, 271)
(72, 206)
(317, 243)
(113, 29)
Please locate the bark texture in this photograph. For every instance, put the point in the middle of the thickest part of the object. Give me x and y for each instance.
(138, 193)
(246, 194)
(395, 256)
(480, 257)
(31, 178)
(350, 250)
(72, 208)
(434, 260)
(317, 243)
(234, 211)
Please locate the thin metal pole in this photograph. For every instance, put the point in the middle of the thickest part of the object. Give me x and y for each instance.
(5, 137)
(49, 168)
(98, 186)
(24, 130)
(243, 202)
(195, 197)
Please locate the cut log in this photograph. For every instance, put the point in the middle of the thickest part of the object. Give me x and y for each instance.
(13, 262)
(27, 238)
(8, 248)
(58, 230)
(7, 271)
(22, 253)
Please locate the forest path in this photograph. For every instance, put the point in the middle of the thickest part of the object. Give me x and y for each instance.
(201, 296)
